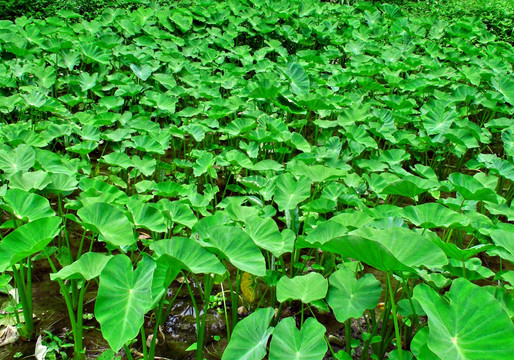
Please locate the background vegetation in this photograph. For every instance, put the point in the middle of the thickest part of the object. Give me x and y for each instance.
(498, 15)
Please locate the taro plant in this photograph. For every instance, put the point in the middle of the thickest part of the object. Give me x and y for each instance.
(17, 249)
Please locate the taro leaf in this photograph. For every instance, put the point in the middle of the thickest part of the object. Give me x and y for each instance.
(87, 267)
(393, 249)
(147, 216)
(119, 159)
(299, 79)
(95, 54)
(203, 227)
(102, 190)
(187, 254)
(203, 164)
(320, 205)
(235, 245)
(289, 192)
(505, 85)
(238, 158)
(62, 183)
(267, 165)
(27, 206)
(146, 165)
(179, 213)
(353, 219)
(242, 213)
(288, 105)
(470, 269)
(56, 164)
(83, 148)
(472, 325)
(349, 297)
(143, 72)
(147, 143)
(420, 348)
(70, 59)
(409, 307)
(508, 141)
(453, 251)
(290, 343)
(325, 232)
(108, 354)
(46, 77)
(264, 88)
(410, 248)
(27, 240)
(109, 222)
(183, 21)
(166, 103)
(250, 337)
(163, 276)
(433, 215)
(408, 186)
(265, 234)
(501, 209)
(20, 159)
(306, 288)
(33, 180)
(124, 296)
(318, 173)
(472, 189)
(504, 238)
(87, 81)
(438, 120)
(503, 167)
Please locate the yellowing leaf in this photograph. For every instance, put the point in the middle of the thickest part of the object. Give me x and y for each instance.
(249, 287)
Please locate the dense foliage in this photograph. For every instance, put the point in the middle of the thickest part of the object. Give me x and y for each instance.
(306, 160)
(497, 15)
(11, 9)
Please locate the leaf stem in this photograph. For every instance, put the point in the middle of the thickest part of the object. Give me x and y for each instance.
(27, 313)
(348, 335)
(395, 318)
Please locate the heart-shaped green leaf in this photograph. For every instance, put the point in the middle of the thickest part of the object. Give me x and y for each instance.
(472, 189)
(349, 297)
(88, 266)
(299, 79)
(289, 192)
(20, 159)
(124, 296)
(108, 221)
(433, 215)
(32, 180)
(265, 234)
(470, 325)
(505, 85)
(236, 246)
(290, 343)
(189, 254)
(147, 216)
(306, 288)
(250, 337)
(143, 71)
(27, 206)
(27, 240)
(393, 249)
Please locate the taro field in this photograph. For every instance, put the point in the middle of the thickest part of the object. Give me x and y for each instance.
(256, 180)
